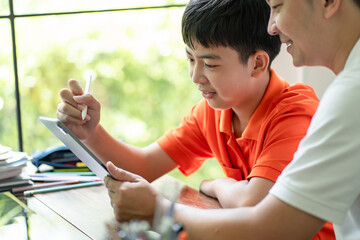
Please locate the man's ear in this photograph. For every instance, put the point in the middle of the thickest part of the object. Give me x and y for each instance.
(259, 63)
(330, 7)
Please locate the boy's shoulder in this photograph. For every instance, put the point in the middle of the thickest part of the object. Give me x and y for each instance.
(300, 92)
(296, 98)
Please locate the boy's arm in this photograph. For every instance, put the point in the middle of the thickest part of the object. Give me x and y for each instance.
(149, 162)
(232, 193)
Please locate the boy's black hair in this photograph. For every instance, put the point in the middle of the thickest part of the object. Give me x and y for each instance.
(238, 24)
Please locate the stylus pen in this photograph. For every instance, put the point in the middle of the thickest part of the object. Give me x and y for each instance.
(61, 188)
(87, 90)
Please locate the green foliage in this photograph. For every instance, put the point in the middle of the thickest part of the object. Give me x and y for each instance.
(144, 90)
(8, 130)
(39, 96)
(210, 170)
(133, 92)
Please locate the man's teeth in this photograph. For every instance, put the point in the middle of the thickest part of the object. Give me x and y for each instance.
(288, 44)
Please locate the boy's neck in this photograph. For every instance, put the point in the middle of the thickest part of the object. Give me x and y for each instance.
(238, 125)
(242, 115)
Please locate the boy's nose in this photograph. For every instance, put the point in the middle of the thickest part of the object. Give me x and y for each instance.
(197, 76)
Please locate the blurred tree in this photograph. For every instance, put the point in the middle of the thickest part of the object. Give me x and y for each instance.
(143, 86)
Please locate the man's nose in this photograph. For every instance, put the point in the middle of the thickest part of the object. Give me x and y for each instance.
(272, 28)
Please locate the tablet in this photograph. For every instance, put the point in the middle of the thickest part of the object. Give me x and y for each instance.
(76, 146)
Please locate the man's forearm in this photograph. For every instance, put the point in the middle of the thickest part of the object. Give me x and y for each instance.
(214, 223)
(271, 219)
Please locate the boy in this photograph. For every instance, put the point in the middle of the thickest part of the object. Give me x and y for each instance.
(249, 119)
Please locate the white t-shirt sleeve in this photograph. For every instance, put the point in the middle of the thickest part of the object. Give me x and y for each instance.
(324, 177)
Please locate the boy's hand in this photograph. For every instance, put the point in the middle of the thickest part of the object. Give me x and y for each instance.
(213, 188)
(132, 197)
(69, 110)
(232, 193)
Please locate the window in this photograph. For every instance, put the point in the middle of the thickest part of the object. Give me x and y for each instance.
(8, 127)
(133, 48)
(136, 55)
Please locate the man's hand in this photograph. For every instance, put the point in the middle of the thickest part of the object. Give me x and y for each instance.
(132, 197)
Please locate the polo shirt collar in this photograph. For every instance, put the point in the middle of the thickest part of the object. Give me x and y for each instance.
(226, 121)
(275, 87)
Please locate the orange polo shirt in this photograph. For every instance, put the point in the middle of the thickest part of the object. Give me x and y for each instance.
(266, 146)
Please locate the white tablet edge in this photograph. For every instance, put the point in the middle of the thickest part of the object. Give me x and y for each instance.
(76, 146)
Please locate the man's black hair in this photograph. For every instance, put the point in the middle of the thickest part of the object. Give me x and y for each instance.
(238, 24)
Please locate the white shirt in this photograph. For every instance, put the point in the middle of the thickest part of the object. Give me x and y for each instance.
(324, 177)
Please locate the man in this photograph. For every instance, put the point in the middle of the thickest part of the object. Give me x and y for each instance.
(322, 183)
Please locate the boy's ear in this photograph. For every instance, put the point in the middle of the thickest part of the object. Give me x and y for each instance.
(330, 7)
(259, 63)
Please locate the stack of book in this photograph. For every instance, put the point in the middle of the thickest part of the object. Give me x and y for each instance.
(12, 164)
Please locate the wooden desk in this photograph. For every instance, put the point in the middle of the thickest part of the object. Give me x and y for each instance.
(83, 213)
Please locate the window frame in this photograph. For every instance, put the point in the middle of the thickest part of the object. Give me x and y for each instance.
(12, 17)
